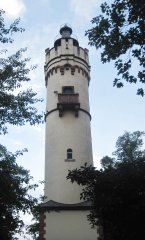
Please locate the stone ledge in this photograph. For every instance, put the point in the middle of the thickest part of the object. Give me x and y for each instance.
(54, 206)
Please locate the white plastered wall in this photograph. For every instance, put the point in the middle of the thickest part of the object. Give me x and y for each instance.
(69, 225)
(68, 131)
(72, 133)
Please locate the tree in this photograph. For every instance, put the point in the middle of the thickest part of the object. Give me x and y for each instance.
(33, 228)
(107, 161)
(16, 104)
(14, 194)
(16, 108)
(119, 31)
(117, 191)
(129, 146)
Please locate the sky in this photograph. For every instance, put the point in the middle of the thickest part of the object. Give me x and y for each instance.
(113, 110)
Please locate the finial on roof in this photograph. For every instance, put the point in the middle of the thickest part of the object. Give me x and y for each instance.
(65, 31)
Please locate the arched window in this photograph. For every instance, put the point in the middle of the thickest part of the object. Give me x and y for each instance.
(69, 154)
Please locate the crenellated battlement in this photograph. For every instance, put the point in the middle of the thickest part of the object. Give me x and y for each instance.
(66, 47)
(62, 69)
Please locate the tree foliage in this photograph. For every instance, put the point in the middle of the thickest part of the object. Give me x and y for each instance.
(14, 194)
(33, 228)
(16, 108)
(120, 32)
(16, 104)
(117, 191)
(129, 146)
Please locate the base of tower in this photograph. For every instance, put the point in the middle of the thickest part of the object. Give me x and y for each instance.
(66, 222)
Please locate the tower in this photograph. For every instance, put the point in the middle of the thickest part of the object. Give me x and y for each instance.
(68, 140)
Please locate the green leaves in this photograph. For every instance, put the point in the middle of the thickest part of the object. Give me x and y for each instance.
(119, 32)
(20, 107)
(5, 33)
(129, 146)
(14, 197)
(16, 104)
(16, 108)
(117, 191)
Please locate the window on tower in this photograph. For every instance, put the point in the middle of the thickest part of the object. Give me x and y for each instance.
(68, 89)
(69, 154)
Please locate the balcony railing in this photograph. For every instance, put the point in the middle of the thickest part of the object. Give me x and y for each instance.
(68, 102)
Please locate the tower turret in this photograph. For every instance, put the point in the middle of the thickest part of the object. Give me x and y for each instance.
(68, 138)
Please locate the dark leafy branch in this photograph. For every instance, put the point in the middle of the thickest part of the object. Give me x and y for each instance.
(120, 33)
(117, 191)
(15, 197)
(16, 101)
(17, 107)
(6, 33)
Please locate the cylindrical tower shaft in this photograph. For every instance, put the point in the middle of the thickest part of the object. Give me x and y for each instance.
(68, 135)
(68, 140)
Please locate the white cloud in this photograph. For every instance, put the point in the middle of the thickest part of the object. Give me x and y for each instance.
(85, 8)
(13, 8)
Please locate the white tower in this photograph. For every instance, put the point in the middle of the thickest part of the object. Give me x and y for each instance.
(68, 140)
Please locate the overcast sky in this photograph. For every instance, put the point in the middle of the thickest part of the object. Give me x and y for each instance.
(113, 110)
